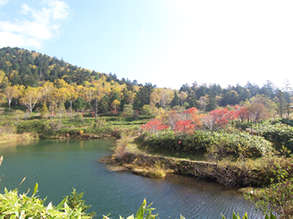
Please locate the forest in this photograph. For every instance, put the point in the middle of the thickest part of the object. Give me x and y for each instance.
(35, 82)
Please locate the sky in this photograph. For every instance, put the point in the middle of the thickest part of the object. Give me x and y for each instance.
(165, 42)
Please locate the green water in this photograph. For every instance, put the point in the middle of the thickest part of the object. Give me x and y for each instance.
(60, 166)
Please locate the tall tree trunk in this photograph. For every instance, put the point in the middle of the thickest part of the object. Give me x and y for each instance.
(71, 107)
(9, 104)
(96, 108)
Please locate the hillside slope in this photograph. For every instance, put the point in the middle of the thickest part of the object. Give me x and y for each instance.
(26, 67)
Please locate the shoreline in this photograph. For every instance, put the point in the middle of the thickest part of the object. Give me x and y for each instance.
(227, 174)
(159, 166)
(7, 140)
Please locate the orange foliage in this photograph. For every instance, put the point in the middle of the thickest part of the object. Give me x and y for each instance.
(154, 125)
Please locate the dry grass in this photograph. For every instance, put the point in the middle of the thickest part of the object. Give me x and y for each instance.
(11, 139)
(122, 146)
(153, 171)
(150, 172)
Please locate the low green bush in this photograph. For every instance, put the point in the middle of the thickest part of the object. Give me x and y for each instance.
(171, 142)
(216, 144)
(279, 134)
(15, 205)
(36, 126)
(255, 172)
(242, 125)
(287, 122)
(44, 128)
(65, 128)
(238, 145)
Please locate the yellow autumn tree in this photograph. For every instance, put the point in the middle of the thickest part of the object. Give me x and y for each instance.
(88, 94)
(3, 79)
(72, 94)
(115, 105)
(31, 96)
(47, 89)
(11, 92)
(62, 95)
(161, 96)
(99, 93)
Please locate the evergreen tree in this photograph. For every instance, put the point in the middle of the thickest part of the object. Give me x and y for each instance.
(175, 101)
(211, 103)
(143, 96)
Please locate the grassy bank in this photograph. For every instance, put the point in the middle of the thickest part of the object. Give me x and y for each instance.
(248, 173)
(14, 138)
(15, 125)
(257, 156)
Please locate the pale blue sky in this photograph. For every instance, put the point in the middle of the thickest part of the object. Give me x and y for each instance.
(166, 42)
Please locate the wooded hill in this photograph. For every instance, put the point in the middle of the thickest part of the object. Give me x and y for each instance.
(29, 68)
(86, 89)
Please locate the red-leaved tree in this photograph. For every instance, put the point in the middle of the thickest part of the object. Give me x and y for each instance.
(243, 113)
(185, 121)
(186, 126)
(193, 115)
(219, 118)
(154, 125)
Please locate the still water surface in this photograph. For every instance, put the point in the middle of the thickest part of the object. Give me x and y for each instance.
(60, 166)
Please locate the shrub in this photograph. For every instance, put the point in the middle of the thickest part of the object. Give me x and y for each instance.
(217, 144)
(42, 128)
(44, 111)
(15, 205)
(279, 134)
(77, 118)
(287, 122)
(243, 125)
(238, 145)
(127, 111)
(75, 201)
(148, 110)
(277, 197)
(106, 130)
(54, 126)
(36, 126)
(99, 123)
(254, 172)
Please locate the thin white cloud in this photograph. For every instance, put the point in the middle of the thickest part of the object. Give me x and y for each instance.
(12, 39)
(3, 2)
(60, 9)
(36, 25)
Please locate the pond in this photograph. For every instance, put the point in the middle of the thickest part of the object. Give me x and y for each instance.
(59, 166)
